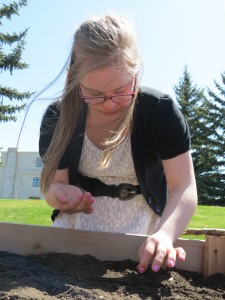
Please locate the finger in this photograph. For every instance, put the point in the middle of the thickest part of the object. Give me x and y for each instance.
(89, 201)
(180, 253)
(145, 253)
(171, 257)
(89, 206)
(159, 257)
(89, 211)
(86, 194)
(85, 202)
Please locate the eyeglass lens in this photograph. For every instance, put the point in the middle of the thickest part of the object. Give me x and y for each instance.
(118, 99)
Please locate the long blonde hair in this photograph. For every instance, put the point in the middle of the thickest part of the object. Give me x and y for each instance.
(97, 43)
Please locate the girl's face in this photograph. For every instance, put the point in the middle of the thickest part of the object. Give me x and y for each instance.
(108, 81)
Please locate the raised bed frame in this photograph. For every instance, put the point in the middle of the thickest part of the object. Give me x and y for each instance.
(203, 256)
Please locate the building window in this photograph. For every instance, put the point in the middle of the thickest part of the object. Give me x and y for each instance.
(36, 182)
(39, 162)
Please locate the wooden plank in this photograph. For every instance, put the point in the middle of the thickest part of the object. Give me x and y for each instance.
(205, 231)
(29, 239)
(194, 255)
(214, 256)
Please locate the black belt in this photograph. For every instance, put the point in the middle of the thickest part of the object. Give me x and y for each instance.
(123, 191)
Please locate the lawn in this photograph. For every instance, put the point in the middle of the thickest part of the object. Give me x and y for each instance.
(207, 217)
(37, 212)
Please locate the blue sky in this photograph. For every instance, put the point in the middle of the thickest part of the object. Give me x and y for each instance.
(171, 33)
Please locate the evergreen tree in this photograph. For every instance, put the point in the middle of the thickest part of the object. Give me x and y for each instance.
(217, 108)
(9, 61)
(206, 145)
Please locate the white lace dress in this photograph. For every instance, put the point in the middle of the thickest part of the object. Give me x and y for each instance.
(111, 214)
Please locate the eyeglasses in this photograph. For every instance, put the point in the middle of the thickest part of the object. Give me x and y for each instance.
(115, 98)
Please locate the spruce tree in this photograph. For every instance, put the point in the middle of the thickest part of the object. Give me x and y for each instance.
(11, 48)
(216, 106)
(198, 111)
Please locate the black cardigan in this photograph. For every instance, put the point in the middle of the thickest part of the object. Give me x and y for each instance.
(159, 132)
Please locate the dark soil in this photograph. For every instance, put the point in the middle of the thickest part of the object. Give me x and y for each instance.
(65, 276)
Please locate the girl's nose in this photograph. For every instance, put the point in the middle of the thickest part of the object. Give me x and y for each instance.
(109, 104)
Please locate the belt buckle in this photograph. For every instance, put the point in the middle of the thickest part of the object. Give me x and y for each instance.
(126, 191)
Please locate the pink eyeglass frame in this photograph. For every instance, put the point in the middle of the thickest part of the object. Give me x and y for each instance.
(108, 97)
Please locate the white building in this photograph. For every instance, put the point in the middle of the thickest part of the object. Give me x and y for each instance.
(20, 175)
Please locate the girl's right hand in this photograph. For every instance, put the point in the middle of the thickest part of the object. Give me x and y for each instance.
(71, 200)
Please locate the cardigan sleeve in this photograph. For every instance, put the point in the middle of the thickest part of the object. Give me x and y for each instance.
(47, 129)
(169, 129)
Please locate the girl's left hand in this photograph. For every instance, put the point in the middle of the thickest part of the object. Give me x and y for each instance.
(156, 248)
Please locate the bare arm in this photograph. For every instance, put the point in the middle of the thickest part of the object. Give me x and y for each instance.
(180, 207)
(182, 198)
(67, 198)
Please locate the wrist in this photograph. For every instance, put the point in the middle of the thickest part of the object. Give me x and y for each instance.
(166, 235)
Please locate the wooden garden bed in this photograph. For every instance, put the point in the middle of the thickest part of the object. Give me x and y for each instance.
(203, 256)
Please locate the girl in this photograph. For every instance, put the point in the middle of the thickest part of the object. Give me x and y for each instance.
(116, 155)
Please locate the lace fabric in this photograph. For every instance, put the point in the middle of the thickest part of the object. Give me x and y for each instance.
(111, 214)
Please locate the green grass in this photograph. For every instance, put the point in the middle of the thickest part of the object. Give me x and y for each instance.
(207, 217)
(37, 212)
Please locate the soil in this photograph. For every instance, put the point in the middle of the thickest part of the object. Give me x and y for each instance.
(64, 276)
